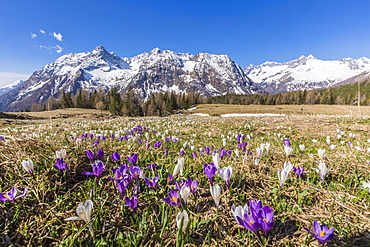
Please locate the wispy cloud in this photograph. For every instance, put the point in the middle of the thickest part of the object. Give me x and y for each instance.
(58, 36)
(42, 31)
(59, 49)
(56, 48)
(33, 35)
(7, 78)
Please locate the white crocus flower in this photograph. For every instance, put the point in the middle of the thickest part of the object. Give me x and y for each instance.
(236, 152)
(322, 170)
(179, 168)
(184, 193)
(84, 213)
(366, 185)
(239, 211)
(216, 159)
(61, 154)
(224, 142)
(332, 146)
(267, 147)
(259, 152)
(328, 140)
(182, 218)
(28, 166)
(216, 193)
(283, 174)
(321, 153)
(288, 150)
(225, 174)
(301, 147)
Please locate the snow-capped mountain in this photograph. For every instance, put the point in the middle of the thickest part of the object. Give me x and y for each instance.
(10, 87)
(155, 71)
(307, 73)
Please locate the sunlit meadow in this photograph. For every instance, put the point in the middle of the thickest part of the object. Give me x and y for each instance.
(187, 181)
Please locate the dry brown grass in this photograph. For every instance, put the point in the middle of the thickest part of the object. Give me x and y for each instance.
(282, 109)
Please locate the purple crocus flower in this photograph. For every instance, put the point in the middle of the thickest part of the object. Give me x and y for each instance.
(2, 138)
(243, 146)
(249, 222)
(132, 203)
(266, 216)
(12, 195)
(152, 182)
(193, 185)
(166, 150)
(116, 156)
(174, 199)
(90, 155)
(135, 172)
(194, 155)
(152, 166)
(207, 150)
(120, 173)
(210, 171)
(286, 143)
(182, 152)
(321, 232)
(61, 165)
(299, 171)
(157, 144)
(96, 143)
(122, 186)
(133, 159)
(169, 178)
(100, 154)
(98, 168)
(179, 185)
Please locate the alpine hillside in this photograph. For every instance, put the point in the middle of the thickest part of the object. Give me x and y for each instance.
(147, 73)
(306, 73)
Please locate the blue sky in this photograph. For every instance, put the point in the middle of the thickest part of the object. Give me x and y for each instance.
(34, 33)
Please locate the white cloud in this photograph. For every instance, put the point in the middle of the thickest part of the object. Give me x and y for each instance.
(42, 31)
(7, 78)
(58, 36)
(59, 49)
(33, 35)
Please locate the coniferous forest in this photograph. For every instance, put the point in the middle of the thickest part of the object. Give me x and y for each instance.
(164, 104)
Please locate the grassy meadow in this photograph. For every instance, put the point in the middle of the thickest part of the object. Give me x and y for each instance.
(337, 200)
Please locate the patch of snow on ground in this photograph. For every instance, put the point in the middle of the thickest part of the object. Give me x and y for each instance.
(201, 114)
(193, 108)
(253, 115)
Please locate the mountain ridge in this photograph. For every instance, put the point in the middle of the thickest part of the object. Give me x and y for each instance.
(166, 71)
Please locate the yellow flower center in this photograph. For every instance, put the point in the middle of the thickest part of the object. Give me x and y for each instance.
(322, 234)
(191, 187)
(251, 222)
(174, 199)
(120, 177)
(151, 181)
(264, 220)
(135, 174)
(6, 196)
(168, 179)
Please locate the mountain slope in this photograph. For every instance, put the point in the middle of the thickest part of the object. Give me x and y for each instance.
(306, 73)
(10, 87)
(207, 74)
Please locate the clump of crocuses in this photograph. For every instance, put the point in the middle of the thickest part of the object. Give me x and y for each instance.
(255, 217)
